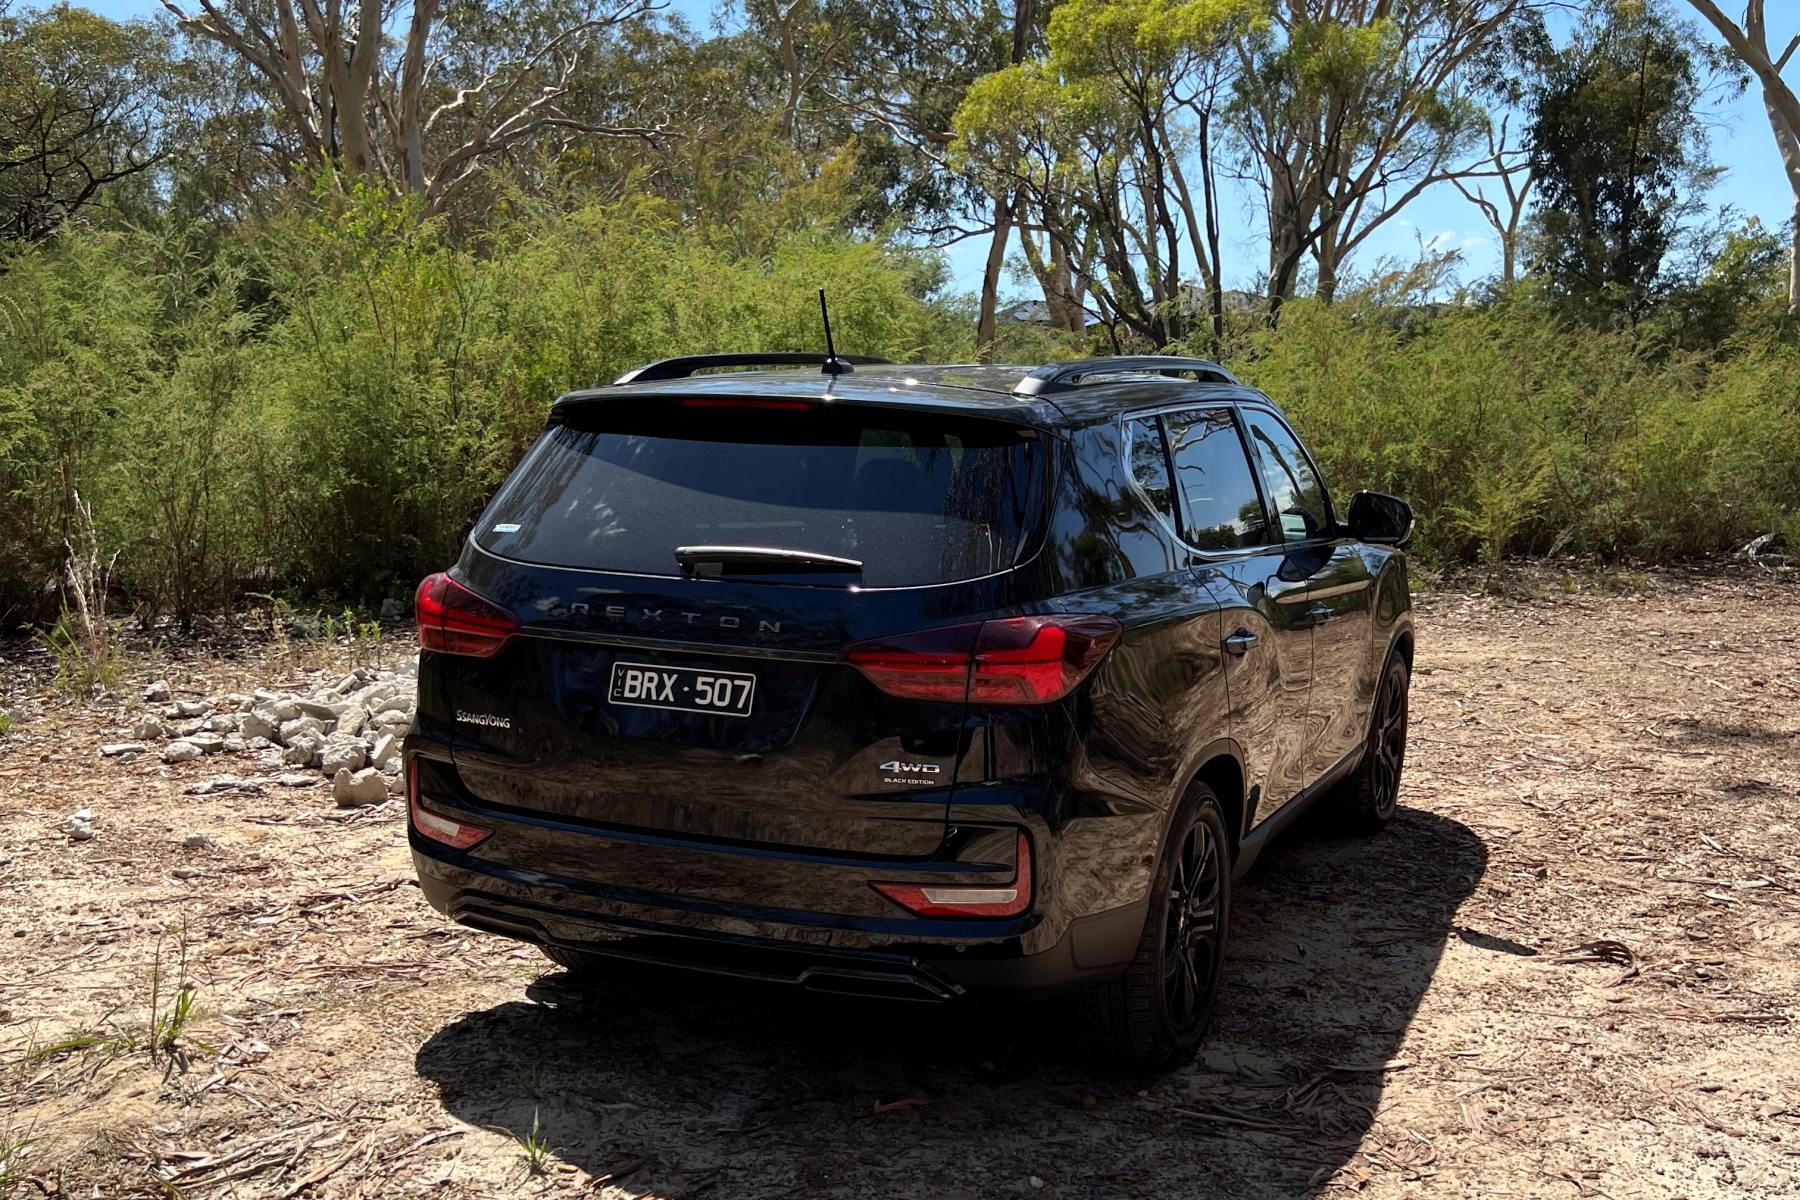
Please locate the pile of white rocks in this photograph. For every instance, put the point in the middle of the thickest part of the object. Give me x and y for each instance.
(349, 730)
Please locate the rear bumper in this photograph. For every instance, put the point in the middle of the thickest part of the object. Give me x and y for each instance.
(1090, 949)
(806, 919)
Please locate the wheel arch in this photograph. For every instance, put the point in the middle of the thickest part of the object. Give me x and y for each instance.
(1220, 766)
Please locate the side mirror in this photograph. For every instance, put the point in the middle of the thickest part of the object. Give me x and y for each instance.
(1380, 519)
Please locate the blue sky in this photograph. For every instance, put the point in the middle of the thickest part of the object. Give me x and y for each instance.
(1753, 184)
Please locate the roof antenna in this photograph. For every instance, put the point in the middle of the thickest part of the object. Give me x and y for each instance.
(833, 365)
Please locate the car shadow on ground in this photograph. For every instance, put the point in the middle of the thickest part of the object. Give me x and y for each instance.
(677, 1084)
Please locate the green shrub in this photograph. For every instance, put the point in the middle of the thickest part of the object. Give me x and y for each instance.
(321, 406)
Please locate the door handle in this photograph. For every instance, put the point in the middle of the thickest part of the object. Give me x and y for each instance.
(1239, 643)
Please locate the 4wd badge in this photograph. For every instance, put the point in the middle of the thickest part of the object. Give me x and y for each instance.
(913, 774)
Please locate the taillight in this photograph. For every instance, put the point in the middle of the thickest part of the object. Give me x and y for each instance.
(1019, 660)
(458, 834)
(457, 621)
(968, 900)
(933, 665)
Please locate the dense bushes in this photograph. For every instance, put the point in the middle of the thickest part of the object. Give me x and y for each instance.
(1513, 433)
(323, 408)
(326, 409)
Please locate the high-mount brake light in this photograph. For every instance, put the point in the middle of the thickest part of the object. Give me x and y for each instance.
(968, 900)
(735, 402)
(1018, 660)
(459, 835)
(455, 620)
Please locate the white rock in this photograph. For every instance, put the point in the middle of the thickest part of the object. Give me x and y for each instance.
(355, 790)
(223, 783)
(182, 751)
(79, 826)
(260, 723)
(220, 723)
(114, 749)
(153, 728)
(295, 779)
(294, 728)
(342, 754)
(157, 692)
(209, 743)
(387, 749)
(304, 750)
(193, 708)
(396, 782)
(326, 713)
(286, 709)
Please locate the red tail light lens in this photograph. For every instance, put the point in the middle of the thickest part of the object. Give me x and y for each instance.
(1034, 660)
(436, 826)
(457, 621)
(933, 665)
(1020, 660)
(977, 900)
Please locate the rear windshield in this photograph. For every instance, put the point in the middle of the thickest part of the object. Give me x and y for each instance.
(913, 500)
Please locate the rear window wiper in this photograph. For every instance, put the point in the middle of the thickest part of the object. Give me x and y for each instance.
(714, 561)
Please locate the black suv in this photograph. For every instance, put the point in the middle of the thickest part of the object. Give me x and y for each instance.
(906, 681)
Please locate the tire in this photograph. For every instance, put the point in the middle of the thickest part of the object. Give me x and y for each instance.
(579, 963)
(1370, 797)
(1153, 1016)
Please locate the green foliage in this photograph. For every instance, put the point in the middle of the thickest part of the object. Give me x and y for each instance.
(1618, 156)
(319, 408)
(328, 405)
(1512, 433)
(81, 102)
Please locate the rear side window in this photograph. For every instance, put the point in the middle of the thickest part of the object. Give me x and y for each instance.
(1221, 507)
(1295, 492)
(1150, 465)
(914, 501)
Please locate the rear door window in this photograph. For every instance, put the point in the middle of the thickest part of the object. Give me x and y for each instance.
(1221, 508)
(914, 500)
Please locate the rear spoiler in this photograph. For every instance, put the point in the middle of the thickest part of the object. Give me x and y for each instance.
(687, 365)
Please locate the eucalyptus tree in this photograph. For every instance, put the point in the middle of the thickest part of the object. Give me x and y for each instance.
(1109, 138)
(1618, 157)
(1749, 43)
(421, 97)
(83, 107)
(1347, 110)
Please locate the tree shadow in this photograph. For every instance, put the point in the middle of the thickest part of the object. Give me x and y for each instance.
(674, 1082)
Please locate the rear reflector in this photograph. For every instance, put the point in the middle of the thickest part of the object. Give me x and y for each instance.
(455, 620)
(1019, 660)
(436, 826)
(980, 900)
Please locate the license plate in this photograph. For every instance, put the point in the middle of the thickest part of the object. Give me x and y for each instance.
(682, 689)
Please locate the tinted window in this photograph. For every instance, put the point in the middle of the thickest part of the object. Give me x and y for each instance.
(1295, 492)
(914, 502)
(1224, 511)
(1150, 465)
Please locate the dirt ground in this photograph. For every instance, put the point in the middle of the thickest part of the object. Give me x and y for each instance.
(1571, 968)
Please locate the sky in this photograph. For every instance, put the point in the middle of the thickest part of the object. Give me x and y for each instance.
(1753, 184)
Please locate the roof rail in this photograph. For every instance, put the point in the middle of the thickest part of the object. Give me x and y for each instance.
(681, 368)
(1064, 377)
